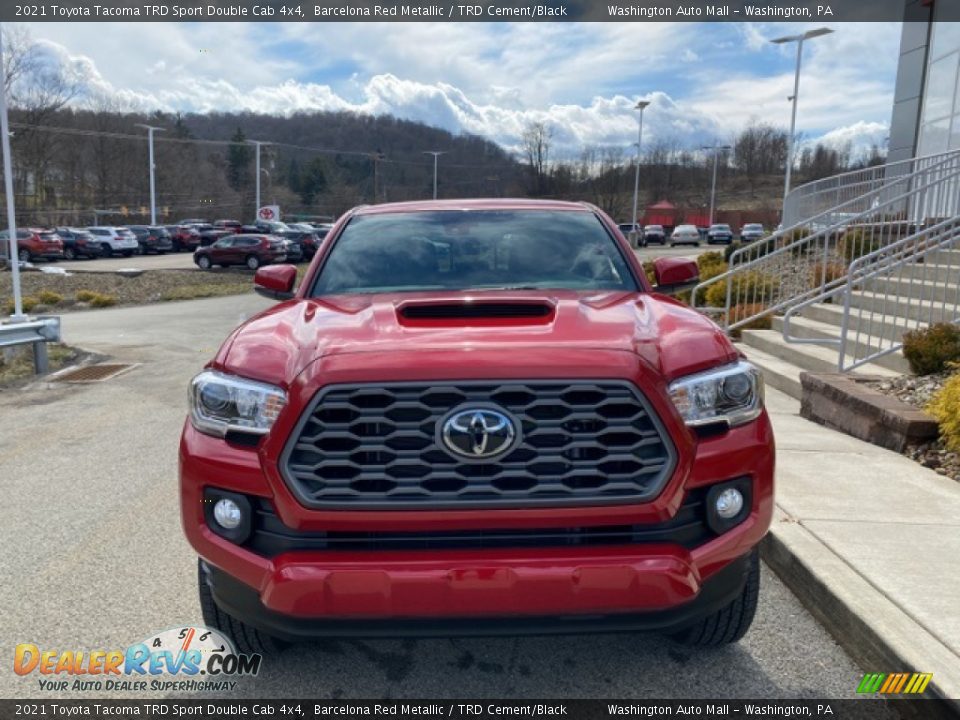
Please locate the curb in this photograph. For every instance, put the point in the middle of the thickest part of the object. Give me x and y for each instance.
(876, 633)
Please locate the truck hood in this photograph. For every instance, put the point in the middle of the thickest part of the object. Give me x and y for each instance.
(669, 338)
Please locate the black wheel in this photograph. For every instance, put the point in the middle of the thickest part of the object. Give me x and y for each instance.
(203, 262)
(24, 255)
(253, 262)
(246, 639)
(69, 253)
(106, 249)
(127, 253)
(728, 624)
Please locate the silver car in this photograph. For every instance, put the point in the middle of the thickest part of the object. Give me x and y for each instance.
(685, 235)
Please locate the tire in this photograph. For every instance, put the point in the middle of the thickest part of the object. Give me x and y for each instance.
(24, 255)
(203, 262)
(246, 639)
(728, 624)
(128, 253)
(252, 262)
(69, 253)
(107, 250)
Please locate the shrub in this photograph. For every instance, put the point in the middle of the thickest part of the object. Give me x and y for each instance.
(834, 271)
(648, 271)
(711, 271)
(86, 295)
(729, 250)
(744, 311)
(930, 349)
(707, 259)
(48, 297)
(28, 302)
(752, 287)
(102, 300)
(945, 409)
(857, 243)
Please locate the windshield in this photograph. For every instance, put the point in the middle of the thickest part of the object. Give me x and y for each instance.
(456, 250)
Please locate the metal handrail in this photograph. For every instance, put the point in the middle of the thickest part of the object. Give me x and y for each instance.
(930, 193)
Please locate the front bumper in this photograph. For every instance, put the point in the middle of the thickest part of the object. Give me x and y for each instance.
(485, 590)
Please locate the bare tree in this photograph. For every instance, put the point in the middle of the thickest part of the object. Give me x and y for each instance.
(536, 138)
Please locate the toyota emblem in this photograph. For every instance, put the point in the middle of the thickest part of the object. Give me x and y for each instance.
(478, 433)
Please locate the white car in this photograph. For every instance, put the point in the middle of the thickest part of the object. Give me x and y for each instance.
(685, 235)
(115, 240)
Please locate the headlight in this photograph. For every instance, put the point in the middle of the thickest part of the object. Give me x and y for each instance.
(219, 403)
(731, 394)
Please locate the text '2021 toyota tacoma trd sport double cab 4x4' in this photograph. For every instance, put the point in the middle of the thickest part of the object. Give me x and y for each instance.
(473, 417)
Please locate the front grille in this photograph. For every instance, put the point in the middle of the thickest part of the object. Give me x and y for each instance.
(688, 528)
(376, 447)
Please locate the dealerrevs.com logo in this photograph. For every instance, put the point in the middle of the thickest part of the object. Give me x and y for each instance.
(185, 659)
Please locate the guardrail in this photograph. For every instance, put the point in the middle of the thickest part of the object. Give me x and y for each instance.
(37, 332)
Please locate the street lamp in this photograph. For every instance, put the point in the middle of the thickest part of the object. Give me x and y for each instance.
(436, 154)
(153, 196)
(641, 105)
(798, 39)
(713, 185)
(258, 143)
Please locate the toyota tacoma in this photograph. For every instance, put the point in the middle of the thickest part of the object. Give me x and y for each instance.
(476, 417)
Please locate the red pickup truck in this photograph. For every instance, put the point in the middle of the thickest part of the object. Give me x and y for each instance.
(476, 417)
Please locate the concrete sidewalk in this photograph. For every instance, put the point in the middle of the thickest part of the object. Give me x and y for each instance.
(870, 542)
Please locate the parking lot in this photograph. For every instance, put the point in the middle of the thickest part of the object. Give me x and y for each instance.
(100, 560)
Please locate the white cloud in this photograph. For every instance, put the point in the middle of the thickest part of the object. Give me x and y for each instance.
(492, 80)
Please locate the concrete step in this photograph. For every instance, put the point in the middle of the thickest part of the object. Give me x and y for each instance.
(879, 304)
(918, 289)
(947, 257)
(812, 358)
(858, 344)
(883, 325)
(932, 272)
(777, 373)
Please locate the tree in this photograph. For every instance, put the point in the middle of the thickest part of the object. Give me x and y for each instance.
(760, 150)
(536, 140)
(312, 181)
(238, 161)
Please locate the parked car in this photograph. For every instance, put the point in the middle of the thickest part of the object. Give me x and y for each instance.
(301, 226)
(751, 232)
(115, 240)
(78, 243)
(719, 233)
(185, 237)
(271, 226)
(250, 250)
(210, 234)
(34, 244)
(193, 221)
(307, 242)
(152, 238)
(232, 225)
(685, 235)
(420, 437)
(654, 233)
(633, 233)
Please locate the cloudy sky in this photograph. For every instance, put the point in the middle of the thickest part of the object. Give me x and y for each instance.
(705, 81)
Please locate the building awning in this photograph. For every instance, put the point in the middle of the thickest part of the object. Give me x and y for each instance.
(658, 219)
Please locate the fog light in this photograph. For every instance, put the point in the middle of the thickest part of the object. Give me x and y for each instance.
(228, 514)
(728, 503)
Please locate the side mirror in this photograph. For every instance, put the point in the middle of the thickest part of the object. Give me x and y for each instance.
(275, 281)
(675, 275)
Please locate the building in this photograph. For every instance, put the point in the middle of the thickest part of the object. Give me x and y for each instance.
(926, 109)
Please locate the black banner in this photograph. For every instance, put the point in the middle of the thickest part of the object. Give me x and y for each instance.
(865, 709)
(748, 11)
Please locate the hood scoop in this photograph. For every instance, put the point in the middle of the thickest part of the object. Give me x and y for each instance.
(476, 312)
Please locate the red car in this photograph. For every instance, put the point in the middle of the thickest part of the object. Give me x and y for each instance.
(33, 244)
(250, 250)
(185, 237)
(476, 417)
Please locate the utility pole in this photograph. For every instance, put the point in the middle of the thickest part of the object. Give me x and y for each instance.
(258, 143)
(436, 154)
(713, 185)
(641, 106)
(153, 196)
(376, 157)
(18, 315)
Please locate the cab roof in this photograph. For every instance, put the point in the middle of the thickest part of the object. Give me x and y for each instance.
(474, 204)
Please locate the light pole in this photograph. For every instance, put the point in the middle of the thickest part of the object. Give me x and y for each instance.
(798, 39)
(258, 143)
(436, 154)
(153, 196)
(14, 254)
(641, 105)
(713, 185)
